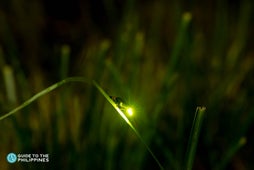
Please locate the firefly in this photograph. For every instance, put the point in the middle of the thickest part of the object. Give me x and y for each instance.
(122, 105)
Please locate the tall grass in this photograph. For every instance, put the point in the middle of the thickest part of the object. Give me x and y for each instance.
(163, 62)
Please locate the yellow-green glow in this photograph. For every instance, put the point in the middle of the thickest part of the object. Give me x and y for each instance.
(129, 111)
(84, 80)
(127, 121)
(114, 105)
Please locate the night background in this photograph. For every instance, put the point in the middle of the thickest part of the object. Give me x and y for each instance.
(164, 58)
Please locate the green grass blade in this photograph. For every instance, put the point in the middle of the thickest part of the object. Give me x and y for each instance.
(128, 122)
(81, 79)
(44, 92)
(65, 60)
(227, 157)
(193, 140)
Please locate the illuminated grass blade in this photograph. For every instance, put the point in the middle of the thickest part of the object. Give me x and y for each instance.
(127, 121)
(80, 79)
(43, 92)
(193, 140)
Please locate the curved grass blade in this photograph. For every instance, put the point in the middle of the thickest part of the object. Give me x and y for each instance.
(44, 92)
(127, 121)
(81, 79)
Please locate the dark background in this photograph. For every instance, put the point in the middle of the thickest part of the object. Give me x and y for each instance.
(143, 52)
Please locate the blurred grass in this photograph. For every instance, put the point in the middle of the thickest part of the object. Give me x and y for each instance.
(165, 58)
(194, 136)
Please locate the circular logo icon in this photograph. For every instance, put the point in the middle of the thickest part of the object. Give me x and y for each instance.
(11, 157)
